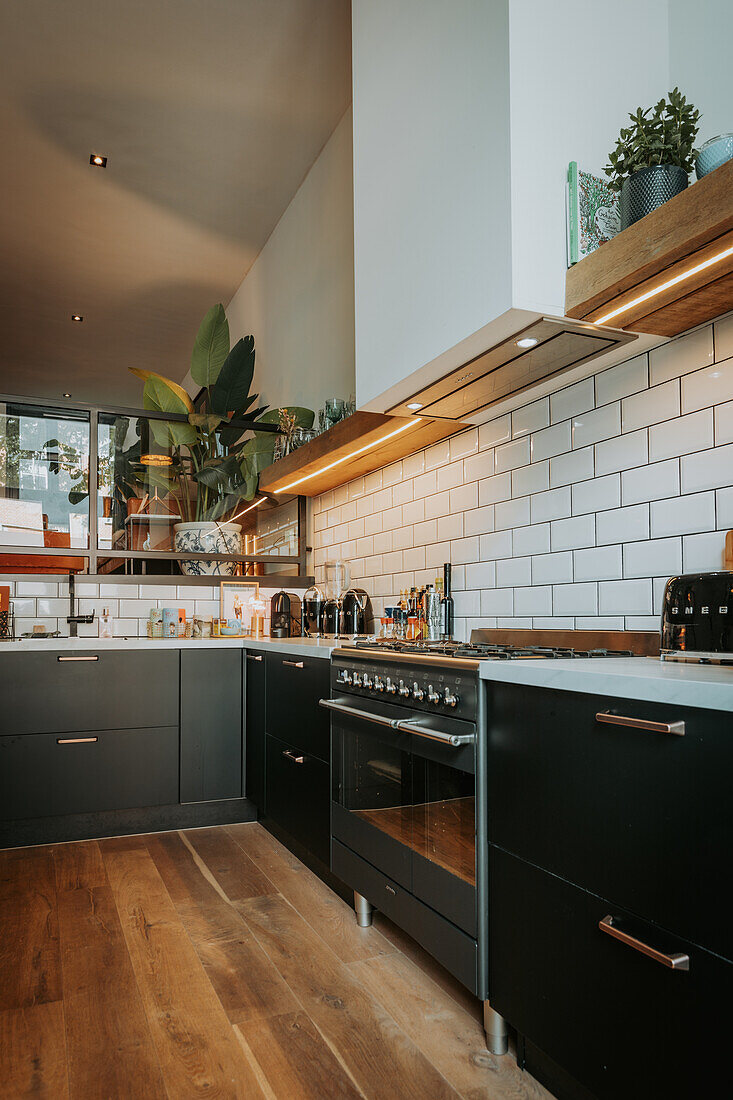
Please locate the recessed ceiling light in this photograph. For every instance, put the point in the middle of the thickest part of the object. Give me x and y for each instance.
(414, 405)
(77, 317)
(97, 160)
(527, 342)
(66, 395)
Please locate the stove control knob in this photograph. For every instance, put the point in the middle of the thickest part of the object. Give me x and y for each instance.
(357, 680)
(367, 681)
(391, 688)
(378, 683)
(433, 696)
(450, 699)
(417, 692)
(344, 677)
(404, 690)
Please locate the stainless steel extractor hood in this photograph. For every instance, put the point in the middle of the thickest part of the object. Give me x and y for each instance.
(549, 346)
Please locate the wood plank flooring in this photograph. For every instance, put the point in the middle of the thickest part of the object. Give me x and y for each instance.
(212, 963)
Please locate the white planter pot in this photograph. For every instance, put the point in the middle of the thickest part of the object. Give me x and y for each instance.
(208, 538)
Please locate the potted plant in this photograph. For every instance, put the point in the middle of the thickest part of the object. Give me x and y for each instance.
(653, 156)
(215, 465)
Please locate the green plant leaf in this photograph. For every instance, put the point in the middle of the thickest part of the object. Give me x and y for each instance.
(211, 347)
(159, 397)
(178, 390)
(208, 421)
(235, 378)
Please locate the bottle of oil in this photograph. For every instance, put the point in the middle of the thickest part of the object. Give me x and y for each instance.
(446, 605)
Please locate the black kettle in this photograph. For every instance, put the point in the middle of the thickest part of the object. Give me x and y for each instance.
(356, 613)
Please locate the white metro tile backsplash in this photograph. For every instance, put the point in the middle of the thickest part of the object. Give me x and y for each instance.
(572, 509)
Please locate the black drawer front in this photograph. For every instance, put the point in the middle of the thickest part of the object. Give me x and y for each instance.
(297, 796)
(622, 1024)
(637, 816)
(452, 948)
(211, 725)
(41, 776)
(115, 689)
(294, 686)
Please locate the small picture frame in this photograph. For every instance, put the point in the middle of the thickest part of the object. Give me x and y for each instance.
(235, 607)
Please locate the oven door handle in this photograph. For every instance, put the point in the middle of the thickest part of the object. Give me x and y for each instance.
(455, 740)
(344, 708)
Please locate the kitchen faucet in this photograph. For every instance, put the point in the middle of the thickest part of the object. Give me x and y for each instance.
(72, 619)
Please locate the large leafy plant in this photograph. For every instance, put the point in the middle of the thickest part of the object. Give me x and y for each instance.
(216, 464)
(663, 134)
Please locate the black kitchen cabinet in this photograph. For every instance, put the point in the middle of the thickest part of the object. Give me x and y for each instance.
(298, 796)
(294, 686)
(619, 1023)
(211, 724)
(632, 814)
(254, 724)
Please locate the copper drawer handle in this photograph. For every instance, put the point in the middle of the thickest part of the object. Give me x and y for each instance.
(76, 740)
(674, 962)
(254, 656)
(294, 664)
(391, 890)
(678, 728)
(292, 756)
(94, 658)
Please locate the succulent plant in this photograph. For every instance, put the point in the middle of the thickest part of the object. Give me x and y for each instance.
(663, 134)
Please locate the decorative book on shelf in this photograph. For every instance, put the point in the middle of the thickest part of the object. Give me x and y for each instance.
(592, 213)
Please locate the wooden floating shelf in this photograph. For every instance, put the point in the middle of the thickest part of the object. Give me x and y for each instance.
(694, 229)
(364, 442)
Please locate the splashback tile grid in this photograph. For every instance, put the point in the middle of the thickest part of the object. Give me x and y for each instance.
(571, 511)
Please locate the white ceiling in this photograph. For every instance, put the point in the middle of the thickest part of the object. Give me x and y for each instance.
(211, 113)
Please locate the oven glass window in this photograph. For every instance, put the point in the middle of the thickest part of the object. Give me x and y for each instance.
(444, 817)
(375, 784)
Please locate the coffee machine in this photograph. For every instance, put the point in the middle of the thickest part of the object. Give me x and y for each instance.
(284, 615)
(312, 612)
(356, 616)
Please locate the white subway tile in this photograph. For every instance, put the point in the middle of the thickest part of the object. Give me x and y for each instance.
(651, 406)
(723, 338)
(413, 465)
(392, 563)
(554, 504)
(402, 537)
(723, 423)
(437, 505)
(703, 553)
(644, 559)
(551, 441)
(383, 542)
(464, 497)
(355, 489)
(514, 622)
(437, 455)
(25, 626)
(425, 485)
(552, 622)
(534, 539)
(479, 521)
(533, 601)
(573, 466)
(511, 572)
(415, 558)
(458, 578)
(683, 515)
(600, 622)
(373, 481)
(54, 608)
(710, 386)
(658, 586)
(466, 443)
(341, 494)
(575, 599)
(497, 545)
(572, 400)
(511, 513)
(683, 435)
(86, 588)
(601, 563)
(478, 466)
(622, 380)
(642, 622)
(496, 431)
(568, 534)
(530, 418)
(132, 609)
(687, 353)
(372, 524)
(597, 495)
(465, 550)
(450, 476)
(466, 603)
(424, 533)
(724, 509)
(365, 546)
(391, 518)
(348, 511)
(510, 455)
(36, 588)
(622, 453)
(622, 524)
(436, 555)
(552, 568)
(206, 607)
(481, 575)
(125, 628)
(25, 606)
(356, 529)
(382, 499)
(497, 601)
(392, 474)
(450, 527)
(625, 597)
(661, 479)
(413, 511)
(598, 424)
(707, 469)
(493, 489)
(531, 479)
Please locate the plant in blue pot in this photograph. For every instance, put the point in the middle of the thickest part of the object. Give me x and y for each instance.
(215, 465)
(654, 156)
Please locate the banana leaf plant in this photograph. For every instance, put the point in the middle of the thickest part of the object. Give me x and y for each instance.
(216, 464)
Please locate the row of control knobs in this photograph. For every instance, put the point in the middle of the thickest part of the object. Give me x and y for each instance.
(389, 687)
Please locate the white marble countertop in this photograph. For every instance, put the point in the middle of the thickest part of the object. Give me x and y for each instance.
(645, 678)
(314, 647)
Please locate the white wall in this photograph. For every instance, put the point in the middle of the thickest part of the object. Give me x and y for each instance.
(298, 297)
(700, 37)
(431, 180)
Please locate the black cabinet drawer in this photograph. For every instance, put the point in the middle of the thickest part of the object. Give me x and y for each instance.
(619, 1022)
(43, 775)
(298, 796)
(254, 687)
(53, 692)
(294, 686)
(211, 724)
(638, 816)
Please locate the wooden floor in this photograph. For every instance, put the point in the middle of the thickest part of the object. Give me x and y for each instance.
(213, 963)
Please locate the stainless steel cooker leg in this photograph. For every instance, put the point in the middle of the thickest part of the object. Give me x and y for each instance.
(363, 911)
(497, 1039)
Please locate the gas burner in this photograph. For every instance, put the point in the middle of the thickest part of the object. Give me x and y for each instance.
(485, 651)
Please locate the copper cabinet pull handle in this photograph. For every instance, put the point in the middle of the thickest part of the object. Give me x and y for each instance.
(254, 656)
(294, 664)
(87, 658)
(292, 756)
(674, 962)
(678, 728)
(76, 740)
(391, 890)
